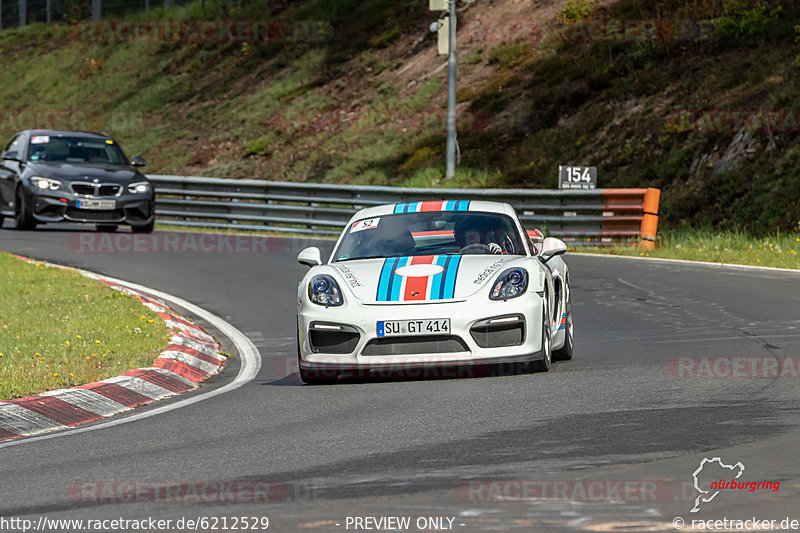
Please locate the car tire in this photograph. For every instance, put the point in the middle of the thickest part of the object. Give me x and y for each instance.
(147, 228)
(22, 216)
(565, 353)
(543, 364)
(106, 227)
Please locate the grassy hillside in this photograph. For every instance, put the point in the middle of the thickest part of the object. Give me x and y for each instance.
(350, 91)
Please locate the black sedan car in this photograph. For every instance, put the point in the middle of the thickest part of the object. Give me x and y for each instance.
(55, 176)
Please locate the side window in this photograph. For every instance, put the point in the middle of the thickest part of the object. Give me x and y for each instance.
(16, 145)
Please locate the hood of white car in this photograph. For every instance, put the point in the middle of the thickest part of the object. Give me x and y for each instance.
(420, 278)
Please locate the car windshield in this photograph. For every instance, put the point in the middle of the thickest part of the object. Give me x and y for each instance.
(75, 150)
(430, 233)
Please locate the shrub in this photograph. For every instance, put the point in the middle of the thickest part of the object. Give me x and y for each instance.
(576, 10)
(508, 54)
(741, 25)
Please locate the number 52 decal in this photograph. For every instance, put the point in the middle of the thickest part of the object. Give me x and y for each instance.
(370, 223)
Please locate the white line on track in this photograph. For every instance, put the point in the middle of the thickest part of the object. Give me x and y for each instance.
(248, 354)
(689, 263)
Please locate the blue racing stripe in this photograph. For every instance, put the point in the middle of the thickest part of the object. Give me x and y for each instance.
(397, 281)
(451, 274)
(383, 280)
(443, 277)
(463, 205)
(436, 280)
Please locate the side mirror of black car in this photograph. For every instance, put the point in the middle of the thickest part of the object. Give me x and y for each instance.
(10, 155)
(138, 161)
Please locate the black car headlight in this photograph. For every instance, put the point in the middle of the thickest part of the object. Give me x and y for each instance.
(46, 184)
(323, 290)
(139, 188)
(512, 282)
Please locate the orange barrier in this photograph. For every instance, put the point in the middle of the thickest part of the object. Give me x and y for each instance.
(631, 213)
(650, 218)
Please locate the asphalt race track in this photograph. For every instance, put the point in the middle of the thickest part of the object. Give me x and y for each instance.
(662, 378)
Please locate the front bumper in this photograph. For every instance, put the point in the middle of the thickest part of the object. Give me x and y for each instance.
(470, 342)
(60, 206)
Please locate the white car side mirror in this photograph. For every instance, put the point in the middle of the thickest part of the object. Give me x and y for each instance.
(552, 247)
(310, 257)
(535, 237)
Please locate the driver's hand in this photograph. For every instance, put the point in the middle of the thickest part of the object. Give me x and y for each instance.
(494, 248)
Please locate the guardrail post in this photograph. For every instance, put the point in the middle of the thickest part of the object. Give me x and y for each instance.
(650, 218)
(23, 13)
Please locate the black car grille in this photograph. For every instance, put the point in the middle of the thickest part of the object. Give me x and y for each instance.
(108, 190)
(434, 344)
(87, 215)
(91, 189)
(500, 335)
(342, 341)
(83, 188)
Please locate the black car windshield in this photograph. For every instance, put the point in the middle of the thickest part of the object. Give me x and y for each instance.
(430, 233)
(75, 150)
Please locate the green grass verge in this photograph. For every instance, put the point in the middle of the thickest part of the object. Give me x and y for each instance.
(60, 329)
(779, 250)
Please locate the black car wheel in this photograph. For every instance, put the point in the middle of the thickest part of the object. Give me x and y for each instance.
(543, 365)
(565, 353)
(22, 216)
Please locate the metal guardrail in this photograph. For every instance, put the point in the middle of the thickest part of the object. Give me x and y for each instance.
(589, 217)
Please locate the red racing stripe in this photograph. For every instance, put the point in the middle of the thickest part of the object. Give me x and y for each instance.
(431, 206)
(417, 288)
(55, 409)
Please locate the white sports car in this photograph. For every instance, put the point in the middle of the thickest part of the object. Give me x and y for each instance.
(442, 284)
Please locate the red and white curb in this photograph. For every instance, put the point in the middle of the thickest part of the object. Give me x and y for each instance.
(191, 357)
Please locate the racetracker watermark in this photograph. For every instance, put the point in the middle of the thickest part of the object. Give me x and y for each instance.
(734, 367)
(176, 492)
(12, 120)
(204, 31)
(179, 242)
(379, 121)
(584, 490)
(732, 121)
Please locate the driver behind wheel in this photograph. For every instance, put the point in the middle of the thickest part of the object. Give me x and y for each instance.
(467, 235)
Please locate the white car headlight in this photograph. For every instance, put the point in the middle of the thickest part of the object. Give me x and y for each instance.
(323, 290)
(46, 184)
(512, 282)
(138, 188)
